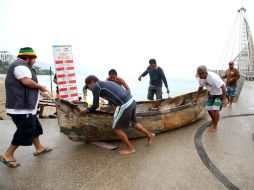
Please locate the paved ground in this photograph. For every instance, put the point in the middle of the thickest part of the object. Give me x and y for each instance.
(2, 98)
(172, 162)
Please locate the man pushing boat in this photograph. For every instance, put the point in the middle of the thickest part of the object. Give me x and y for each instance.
(216, 96)
(125, 112)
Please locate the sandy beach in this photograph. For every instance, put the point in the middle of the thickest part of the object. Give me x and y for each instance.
(47, 110)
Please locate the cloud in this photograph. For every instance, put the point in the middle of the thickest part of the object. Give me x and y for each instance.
(122, 34)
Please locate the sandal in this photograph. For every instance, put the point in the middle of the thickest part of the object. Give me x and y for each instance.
(9, 163)
(45, 150)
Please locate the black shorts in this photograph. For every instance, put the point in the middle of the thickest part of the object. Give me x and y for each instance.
(125, 115)
(28, 128)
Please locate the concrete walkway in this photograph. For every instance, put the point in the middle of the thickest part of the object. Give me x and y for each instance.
(174, 161)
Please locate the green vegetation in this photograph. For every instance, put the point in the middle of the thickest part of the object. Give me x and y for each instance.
(5, 65)
(40, 71)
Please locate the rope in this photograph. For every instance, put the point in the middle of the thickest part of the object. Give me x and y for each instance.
(223, 56)
(233, 48)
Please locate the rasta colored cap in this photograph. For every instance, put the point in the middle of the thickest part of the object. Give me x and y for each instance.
(27, 51)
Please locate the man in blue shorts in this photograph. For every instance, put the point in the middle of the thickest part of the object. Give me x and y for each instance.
(216, 96)
(232, 75)
(125, 111)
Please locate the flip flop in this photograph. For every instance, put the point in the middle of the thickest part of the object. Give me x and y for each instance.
(9, 163)
(45, 150)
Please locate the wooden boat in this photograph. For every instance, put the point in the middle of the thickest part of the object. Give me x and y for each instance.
(156, 116)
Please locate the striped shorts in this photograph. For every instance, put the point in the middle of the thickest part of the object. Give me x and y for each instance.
(214, 102)
(124, 115)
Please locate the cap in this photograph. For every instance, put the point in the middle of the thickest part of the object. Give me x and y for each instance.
(231, 62)
(27, 51)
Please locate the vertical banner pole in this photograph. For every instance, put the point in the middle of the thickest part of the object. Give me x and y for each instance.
(50, 72)
(65, 72)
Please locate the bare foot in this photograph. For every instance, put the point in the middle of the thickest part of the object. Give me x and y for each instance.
(150, 138)
(127, 151)
(212, 129)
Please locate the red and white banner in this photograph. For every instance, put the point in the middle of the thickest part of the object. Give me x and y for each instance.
(65, 73)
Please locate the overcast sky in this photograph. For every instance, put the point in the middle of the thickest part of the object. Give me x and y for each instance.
(124, 35)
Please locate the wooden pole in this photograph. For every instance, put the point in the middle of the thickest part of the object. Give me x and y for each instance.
(50, 80)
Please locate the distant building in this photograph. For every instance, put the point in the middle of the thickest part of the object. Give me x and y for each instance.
(6, 56)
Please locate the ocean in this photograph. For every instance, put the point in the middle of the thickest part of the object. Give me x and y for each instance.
(177, 85)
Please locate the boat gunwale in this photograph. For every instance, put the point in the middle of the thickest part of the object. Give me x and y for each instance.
(143, 114)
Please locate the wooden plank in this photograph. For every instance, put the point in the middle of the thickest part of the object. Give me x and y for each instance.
(105, 145)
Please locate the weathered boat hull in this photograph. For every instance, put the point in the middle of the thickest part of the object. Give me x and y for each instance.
(172, 113)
